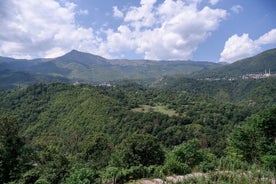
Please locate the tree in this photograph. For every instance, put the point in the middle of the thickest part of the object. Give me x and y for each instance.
(82, 176)
(11, 149)
(254, 140)
(53, 164)
(186, 156)
(141, 149)
(97, 151)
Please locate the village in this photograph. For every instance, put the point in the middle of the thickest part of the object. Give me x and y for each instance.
(266, 74)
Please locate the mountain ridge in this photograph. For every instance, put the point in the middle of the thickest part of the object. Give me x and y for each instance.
(86, 67)
(257, 64)
(76, 66)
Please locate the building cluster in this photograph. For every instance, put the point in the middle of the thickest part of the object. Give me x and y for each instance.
(266, 74)
(258, 75)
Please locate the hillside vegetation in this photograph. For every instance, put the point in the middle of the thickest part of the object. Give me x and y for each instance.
(83, 67)
(62, 133)
(261, 63)
(78, 66)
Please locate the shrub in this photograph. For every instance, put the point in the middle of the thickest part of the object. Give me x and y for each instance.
(174, 166)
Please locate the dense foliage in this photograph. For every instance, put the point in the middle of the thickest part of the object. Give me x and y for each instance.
(62, 133)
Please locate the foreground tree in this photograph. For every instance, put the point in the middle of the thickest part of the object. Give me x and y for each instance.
(254, 141)
(97, 151)
(140, 149)
(11, 149)
(186, 156)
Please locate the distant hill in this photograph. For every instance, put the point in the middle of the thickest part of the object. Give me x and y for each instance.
(84, 67)
(261, 91)
(260, 63)
(14, 79)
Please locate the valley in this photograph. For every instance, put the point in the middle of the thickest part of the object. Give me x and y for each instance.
(59, 126)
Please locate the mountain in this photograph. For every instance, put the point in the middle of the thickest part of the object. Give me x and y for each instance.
(260, 63)
(85, 67)
(13, 79)
(7, 63)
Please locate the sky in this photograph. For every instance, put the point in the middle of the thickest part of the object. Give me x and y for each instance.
(200, 30)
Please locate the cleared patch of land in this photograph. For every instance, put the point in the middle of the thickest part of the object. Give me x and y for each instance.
(158, 108)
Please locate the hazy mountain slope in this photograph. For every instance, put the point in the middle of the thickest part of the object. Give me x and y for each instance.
(256, 64)
(80, 66)
(15, 64)
(13, 79)
(88, 67)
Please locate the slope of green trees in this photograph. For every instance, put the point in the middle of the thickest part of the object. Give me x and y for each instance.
(260, 63)
(62, 133)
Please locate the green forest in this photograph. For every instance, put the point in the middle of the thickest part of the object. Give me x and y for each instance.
(79, 134)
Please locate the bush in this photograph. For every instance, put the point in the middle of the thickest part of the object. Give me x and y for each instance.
(139, 149)
(206, 166)
(31, 176)
(174, 166)
(83, 175)
(232, 163)
(269, 161)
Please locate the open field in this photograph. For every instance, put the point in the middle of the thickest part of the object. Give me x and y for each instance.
(158, 108)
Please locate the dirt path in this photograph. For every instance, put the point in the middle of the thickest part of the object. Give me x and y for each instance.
(170, 179)
(180, 178)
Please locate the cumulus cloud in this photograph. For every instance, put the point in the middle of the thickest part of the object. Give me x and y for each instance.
(238, 47)
(41, 29)
(171, 30)
(267, 38)
(142, 16)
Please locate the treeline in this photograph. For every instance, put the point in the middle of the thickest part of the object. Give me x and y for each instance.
(61, 133)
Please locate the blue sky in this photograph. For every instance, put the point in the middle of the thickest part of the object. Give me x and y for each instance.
(212, 30)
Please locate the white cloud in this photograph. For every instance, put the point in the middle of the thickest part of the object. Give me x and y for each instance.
(171, 30)
(41, 28)
(117, 13)
(213, 2)
(267, 38)
(119, 41)
(142, 16)
(239, 47)
(237, 9)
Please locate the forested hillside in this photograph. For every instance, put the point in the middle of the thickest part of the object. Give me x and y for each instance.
(62, 133)
(261, 63)
(16, 79)
(84, 67)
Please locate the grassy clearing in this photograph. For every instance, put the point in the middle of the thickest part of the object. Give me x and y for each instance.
(158, 108)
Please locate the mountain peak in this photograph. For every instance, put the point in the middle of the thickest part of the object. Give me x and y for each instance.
(83, 58)
(73, 52)
(77, 54)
